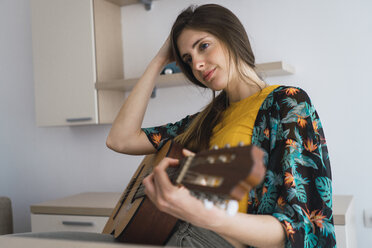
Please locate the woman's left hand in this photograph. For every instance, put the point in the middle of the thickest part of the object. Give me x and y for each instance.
(176, 200)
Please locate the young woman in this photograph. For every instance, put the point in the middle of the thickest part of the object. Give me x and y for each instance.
(292, 207)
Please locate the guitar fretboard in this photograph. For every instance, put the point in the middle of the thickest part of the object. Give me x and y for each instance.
(172, 172)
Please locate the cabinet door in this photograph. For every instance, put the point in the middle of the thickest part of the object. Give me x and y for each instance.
(73, 223)
(64, 62)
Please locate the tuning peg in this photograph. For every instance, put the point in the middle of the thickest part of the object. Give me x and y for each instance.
(215, 147)
(211, 159)
(215, 198)
(227, 146)
(232, 207)
(222, 158)
(208, 204)
(221, 204)
(219, 201)
(241, 143)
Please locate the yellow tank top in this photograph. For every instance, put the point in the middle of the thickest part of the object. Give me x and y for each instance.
(237, 125)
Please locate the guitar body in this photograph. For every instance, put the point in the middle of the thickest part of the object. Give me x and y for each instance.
(136, 219)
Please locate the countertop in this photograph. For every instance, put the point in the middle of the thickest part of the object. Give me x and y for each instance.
(103, 203)
(89, 203)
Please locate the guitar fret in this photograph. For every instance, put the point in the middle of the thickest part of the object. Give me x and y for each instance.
(184, 169)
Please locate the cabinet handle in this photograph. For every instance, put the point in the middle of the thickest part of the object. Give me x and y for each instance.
(79, 119)
(77, 223)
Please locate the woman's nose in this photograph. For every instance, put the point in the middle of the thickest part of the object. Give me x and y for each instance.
(199, 64)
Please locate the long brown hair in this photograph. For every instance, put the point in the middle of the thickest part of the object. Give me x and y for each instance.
(225, 26)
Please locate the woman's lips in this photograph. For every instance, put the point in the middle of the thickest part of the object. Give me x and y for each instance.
(207, 75)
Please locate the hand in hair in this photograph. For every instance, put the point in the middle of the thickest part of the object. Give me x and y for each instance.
(165, 52)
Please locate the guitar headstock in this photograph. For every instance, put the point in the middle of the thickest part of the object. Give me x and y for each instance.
(228, 173)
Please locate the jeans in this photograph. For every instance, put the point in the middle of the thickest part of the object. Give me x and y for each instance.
(187, 235)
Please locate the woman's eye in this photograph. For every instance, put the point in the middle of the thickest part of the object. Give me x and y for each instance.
(204, 46)
(188, 60)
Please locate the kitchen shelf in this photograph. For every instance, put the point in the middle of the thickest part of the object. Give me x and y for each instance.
(124, 2)
(162, 81)
(278, 68)
(272, 69)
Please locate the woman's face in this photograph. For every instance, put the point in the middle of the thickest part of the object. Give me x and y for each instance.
(206, 56)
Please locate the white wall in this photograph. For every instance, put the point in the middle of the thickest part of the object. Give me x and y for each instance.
(327, 41)
(40, 164)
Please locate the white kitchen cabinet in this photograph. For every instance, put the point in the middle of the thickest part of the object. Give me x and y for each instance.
(78, 62)
(85, 212)
(68, 223)
(75, 43)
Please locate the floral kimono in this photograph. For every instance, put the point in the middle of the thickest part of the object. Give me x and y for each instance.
(297, 189)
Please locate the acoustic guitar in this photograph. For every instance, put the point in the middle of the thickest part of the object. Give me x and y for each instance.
(214, 175)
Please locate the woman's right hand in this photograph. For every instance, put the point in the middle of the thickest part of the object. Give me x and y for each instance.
(126, 135)
(165, 53)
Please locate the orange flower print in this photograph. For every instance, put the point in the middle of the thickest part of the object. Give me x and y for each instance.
(264, 190)
(317, 217)
(291, 91)
(306, 212)
(291, 142)
(267, 132)
(289, 229)
(301, 121)
(281, 202)
(289, 180)
(310, 146)
(156, 138)
(315, 126)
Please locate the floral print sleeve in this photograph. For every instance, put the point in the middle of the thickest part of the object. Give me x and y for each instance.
(297, 189)
(159, 135)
